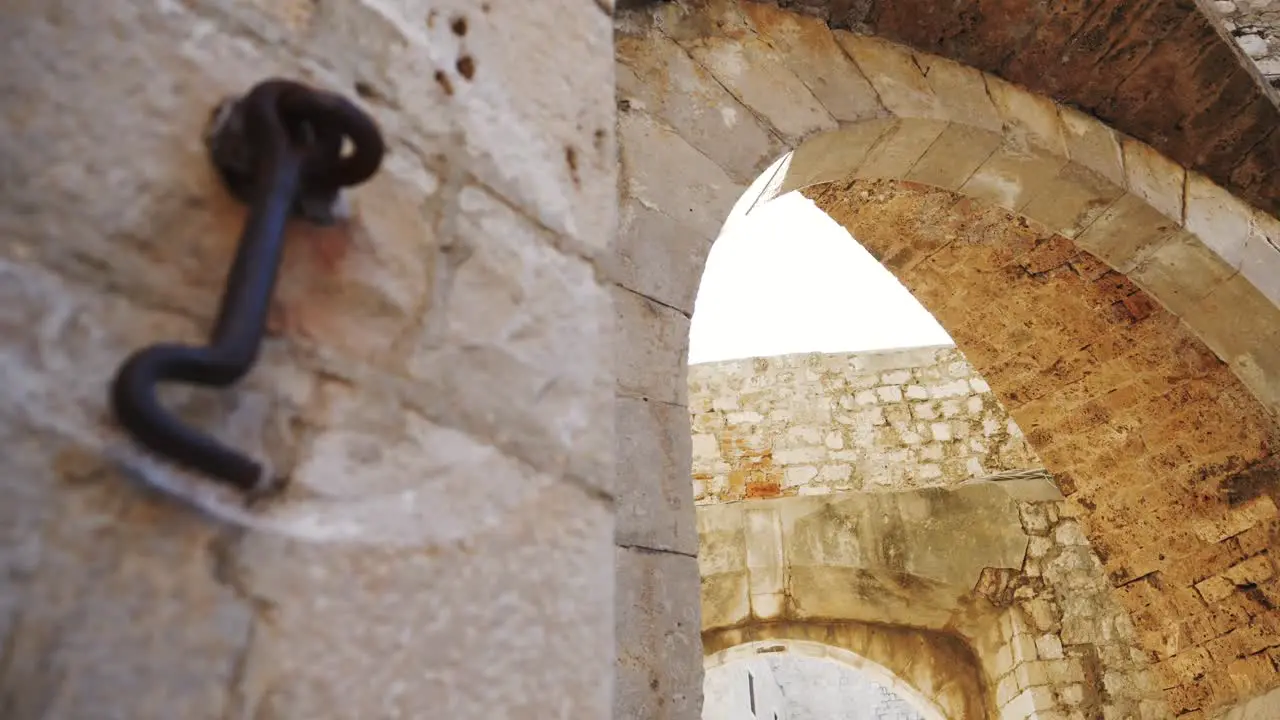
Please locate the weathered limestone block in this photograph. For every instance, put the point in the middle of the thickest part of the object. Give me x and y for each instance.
(810, 424)
(652, 339)
(514, 307)
(1259, 708)
(657, 77)
(480, 76)
(437, 381)
(113, 605)
(809, 49)
(870, 557)
(659, 653)
(655, 507)
(753, 70)
(1255, 26)
(659, 255)
(652, 153)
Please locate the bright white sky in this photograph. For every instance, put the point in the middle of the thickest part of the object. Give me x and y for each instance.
(787, 279)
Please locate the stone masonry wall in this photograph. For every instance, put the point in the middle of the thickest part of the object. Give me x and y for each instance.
(813, 423)
(1255, 25)
(437, 382)
(1063, 646)
(1123, 309)
(1060, 645)
(817, 689)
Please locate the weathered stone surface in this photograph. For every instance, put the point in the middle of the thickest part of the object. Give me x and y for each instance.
(1156, 70)
(652, 339)
(651, 153)
(419, 619)
(954, 157)
(1097, 360)
(657, 77)
(909, 557)
(811, 424)
(655, 508)
(660, 256)
(1148, 528)
(810, 51)
(1092, 357)
(1259, 708)
(754, 72)
(1255, 25)
(515, 307)
(439, 369)
(465, 288)
(937, 671)
(477, 94)
(1064, 645)
(659, 656)
(112, 605)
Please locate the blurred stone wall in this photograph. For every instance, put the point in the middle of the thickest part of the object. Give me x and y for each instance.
(437, 383)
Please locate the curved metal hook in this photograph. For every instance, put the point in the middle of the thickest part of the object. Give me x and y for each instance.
(281, 143)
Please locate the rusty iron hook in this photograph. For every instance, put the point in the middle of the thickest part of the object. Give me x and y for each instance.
(279, 149)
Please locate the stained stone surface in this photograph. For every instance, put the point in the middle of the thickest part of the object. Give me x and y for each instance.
(437, 381)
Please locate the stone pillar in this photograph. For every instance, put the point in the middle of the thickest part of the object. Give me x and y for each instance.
(660, 261)
(437, 384)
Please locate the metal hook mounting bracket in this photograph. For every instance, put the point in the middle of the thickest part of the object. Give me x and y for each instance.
(280, 150)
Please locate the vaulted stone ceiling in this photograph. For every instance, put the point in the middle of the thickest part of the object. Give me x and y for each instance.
(1163, 71)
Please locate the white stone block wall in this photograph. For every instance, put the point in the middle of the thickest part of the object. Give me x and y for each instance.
(816, 423)
(1064, 648)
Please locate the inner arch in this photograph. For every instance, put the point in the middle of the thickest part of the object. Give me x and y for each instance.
(1134, 336)
(790, 686)
(939, 681)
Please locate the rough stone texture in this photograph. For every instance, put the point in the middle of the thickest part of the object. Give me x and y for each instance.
(1076, 381)
(1064, 644)
(1259, 708)
(1158, 70)
(810, 424)
(1006, 564)
(1045, 632)
(438, 381)
(464, 303)
(1122, 305)
(659, 658)
(936, 671)
(654, 515)
(1255, 25)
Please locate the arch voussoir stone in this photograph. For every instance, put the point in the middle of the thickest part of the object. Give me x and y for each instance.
(1178, 235)
(1170, 285)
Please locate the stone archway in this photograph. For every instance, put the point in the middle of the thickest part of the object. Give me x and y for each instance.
(946, 670)
(1155, 284)
(866, 572)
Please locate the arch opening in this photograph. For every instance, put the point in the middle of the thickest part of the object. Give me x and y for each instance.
(1119, 305)
(811, 679)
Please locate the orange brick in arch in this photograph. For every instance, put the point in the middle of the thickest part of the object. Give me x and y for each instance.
(1172, 459)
